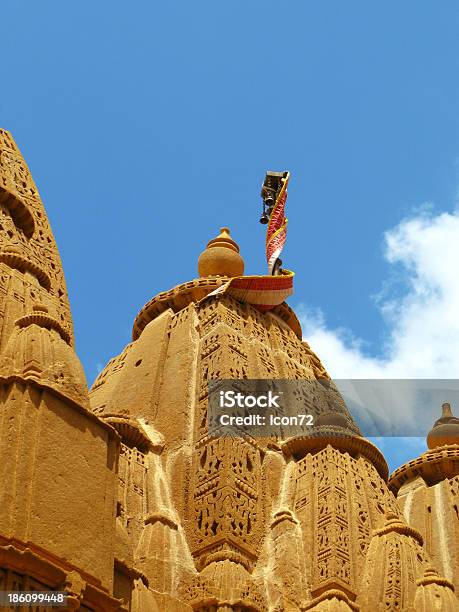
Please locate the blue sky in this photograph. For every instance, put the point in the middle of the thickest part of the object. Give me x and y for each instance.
(149, 126)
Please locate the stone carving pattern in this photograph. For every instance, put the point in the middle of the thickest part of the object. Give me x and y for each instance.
(200, 590)
(214, 313)
(454, 492)
(257, 330)
(266, 367)
(362, 519)
(41, 248)
(392, 587)
(132, 472)
(227, 471)
(226, 497)
(300, 352)
(332, 557)
(380, 499)
(20, 294)
(180, 317)
(222, 356)
(339, 501)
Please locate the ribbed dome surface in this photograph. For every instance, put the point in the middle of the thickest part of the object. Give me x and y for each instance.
(38, 353)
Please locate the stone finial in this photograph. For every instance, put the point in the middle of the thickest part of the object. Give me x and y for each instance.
(221, 257)
(445, 430)
(446, 411)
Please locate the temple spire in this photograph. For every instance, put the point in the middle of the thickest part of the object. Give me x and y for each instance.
(30, 266)
(445, 430)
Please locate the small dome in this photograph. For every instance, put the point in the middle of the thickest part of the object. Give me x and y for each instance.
(445, 430)
(221, 257)
(37, 351)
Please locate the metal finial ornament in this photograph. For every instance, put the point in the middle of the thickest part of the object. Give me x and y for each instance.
(264, 216)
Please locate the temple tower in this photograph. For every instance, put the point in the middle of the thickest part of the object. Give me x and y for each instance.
(427, 490)
(239, 524)
(57, 460)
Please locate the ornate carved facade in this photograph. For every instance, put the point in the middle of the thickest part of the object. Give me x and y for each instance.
(122, 498)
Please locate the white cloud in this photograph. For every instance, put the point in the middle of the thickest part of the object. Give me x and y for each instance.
(422, 321)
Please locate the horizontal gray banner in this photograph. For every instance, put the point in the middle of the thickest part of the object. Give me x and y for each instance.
(284, 408)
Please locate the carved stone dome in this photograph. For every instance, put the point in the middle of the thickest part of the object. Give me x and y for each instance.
(445, 430)
(39, 349)
(221, 257)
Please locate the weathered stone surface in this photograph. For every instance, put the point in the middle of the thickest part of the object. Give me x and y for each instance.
(427, 490)
(58, 461)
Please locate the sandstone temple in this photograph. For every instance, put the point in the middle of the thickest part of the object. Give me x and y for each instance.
(119, 496)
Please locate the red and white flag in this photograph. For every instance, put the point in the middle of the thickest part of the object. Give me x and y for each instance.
(277, 227)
